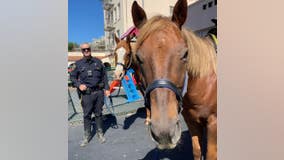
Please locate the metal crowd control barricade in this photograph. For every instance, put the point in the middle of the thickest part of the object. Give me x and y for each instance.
(129, 88)
(71, 103)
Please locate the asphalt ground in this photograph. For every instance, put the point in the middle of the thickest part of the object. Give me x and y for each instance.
(127, 139)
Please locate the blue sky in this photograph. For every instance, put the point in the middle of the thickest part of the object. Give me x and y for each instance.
(85, 20)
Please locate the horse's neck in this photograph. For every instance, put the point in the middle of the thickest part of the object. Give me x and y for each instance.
(135, 66)
(138, 74)
(200, 87)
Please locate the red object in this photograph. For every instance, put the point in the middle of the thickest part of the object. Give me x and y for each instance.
(131, 31)
(134, 80)
(114, 84)
(126, 78)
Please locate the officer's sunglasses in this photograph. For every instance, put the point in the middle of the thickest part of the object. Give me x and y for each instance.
(85, 50)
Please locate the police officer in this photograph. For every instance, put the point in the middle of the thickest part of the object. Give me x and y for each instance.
(90, 77)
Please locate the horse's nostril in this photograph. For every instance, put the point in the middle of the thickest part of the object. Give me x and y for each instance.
(178, 123)
(177, 133)
(152, 134)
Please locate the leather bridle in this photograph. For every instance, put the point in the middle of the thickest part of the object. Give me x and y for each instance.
(129, 63)
(163, 83)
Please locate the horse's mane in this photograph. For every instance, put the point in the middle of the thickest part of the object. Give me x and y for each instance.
(202, 57)
(201, 53)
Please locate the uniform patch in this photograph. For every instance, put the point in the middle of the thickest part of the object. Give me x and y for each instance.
(73, 66)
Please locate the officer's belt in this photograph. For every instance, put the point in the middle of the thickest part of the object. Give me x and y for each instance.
(91, 90)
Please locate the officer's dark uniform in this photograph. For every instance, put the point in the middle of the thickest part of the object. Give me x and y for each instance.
(91, 72)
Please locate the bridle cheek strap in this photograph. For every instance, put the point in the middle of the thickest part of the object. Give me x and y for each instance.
(129, 63)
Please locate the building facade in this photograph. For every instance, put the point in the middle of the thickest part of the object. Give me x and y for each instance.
(199, 16)
(118, 18)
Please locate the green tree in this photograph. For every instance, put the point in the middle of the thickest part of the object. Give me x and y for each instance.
(72, 45)
(76, 45)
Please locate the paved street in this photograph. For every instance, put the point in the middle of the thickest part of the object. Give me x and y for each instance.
(130, 141)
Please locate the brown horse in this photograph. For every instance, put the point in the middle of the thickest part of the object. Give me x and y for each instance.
(123, 56)
(167, 54)
(123, 61)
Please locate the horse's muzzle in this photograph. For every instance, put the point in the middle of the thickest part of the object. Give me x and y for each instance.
(165, 138)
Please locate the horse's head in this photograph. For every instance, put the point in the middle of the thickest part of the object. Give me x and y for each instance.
(161, 52)
(122, 54)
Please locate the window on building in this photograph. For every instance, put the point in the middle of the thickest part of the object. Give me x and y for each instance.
(118, 11)
(204, 6)
(111, 18)
(112, 40)
(210, 4)
(114, 15)
(118, 33)
(171, 10)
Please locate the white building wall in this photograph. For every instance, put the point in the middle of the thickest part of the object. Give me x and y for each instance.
(118, 22)
(151, 7)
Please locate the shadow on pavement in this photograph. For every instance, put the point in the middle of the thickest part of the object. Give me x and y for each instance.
(183, 151)
(141, 113)
(109, 121)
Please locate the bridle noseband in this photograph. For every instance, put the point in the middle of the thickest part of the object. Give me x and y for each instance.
(121, 64)
(163, 83)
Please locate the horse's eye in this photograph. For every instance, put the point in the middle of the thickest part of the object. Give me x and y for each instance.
(138, 59)
(184, 57)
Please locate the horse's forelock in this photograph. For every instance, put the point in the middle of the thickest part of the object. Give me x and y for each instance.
(152, 25)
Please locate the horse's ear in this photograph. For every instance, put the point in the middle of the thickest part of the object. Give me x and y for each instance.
(117, 40)
(180, 12)
(138, 15)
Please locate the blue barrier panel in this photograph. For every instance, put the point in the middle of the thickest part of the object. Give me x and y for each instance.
(129, 87)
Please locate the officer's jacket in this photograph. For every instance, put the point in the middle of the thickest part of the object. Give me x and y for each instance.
(90, 72)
